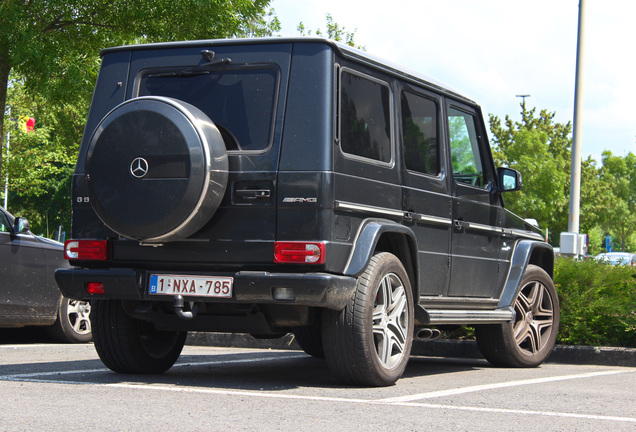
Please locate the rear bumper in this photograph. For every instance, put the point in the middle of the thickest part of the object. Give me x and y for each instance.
(309, 289)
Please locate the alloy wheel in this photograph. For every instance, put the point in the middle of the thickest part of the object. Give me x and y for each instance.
(534, 317)
(390, 321)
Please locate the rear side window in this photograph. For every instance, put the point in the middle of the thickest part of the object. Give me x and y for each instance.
(365, 117)
(419, 134)
(240, 101)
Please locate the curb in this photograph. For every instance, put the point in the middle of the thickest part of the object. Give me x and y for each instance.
(564, 354)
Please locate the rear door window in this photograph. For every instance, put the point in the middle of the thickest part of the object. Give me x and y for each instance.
(241, 101)
(419, 134)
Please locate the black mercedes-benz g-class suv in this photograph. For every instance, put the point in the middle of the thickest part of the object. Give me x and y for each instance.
(267, 186)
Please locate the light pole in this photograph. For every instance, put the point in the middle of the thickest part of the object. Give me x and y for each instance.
(573, 243)
(575, 176)
(523, 104)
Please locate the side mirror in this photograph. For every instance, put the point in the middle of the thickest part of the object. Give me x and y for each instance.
(509, 179)
(20, 225)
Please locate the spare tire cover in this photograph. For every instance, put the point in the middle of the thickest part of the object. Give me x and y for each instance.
(156, 169)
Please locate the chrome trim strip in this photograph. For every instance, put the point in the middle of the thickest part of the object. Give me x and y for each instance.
(482, 227)
(435, 220)
(505, 231)
(339, 205)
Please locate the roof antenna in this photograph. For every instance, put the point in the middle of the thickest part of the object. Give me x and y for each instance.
(208, 55)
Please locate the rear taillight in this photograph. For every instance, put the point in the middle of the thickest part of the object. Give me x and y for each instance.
(299, 252)
(86, 250)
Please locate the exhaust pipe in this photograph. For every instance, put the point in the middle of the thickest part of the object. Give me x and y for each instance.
(428, 334)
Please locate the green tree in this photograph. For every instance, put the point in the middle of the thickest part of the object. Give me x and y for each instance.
(40, 163)
(49, 58)
(540, 149)
(332, 31)
(618, 177)
(54, 44)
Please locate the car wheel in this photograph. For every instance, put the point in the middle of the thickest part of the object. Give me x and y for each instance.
(128, 345)
(527, 341)
(73, 323)
(309, 338)
(369, 342)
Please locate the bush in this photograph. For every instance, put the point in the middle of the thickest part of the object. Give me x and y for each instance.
(598, 303)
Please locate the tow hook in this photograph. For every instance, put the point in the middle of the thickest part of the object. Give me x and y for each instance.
(179, 306)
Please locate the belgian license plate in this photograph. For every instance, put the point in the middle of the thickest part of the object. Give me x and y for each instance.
(200, 286)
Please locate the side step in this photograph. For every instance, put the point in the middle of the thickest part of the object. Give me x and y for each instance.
(451, 316)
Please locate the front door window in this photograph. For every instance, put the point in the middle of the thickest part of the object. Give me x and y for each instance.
(466, 161)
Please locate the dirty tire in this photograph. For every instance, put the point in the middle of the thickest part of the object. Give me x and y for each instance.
(369, 342)
(529, 340)
(128, 345)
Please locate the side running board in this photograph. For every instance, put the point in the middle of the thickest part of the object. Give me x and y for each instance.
(449, 316)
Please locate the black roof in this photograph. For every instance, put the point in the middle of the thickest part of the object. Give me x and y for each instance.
(344, 50)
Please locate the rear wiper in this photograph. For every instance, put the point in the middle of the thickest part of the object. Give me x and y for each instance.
(203, 69)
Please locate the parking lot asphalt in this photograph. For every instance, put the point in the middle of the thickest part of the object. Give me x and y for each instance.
(565, 354)
(62, 387)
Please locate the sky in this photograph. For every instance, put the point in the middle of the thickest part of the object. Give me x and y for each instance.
(493, 50)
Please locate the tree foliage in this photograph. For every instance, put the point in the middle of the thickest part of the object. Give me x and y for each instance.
(332, 31)
(49, 59)
(540, 149)
(617, 177)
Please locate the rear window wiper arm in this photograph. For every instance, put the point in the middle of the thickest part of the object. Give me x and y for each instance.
(203, 69)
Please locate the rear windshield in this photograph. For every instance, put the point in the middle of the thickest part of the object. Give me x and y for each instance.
(240, 101)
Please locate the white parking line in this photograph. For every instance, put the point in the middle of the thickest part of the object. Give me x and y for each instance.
(267, 395)
(523, 412)
(462, 390)
(404, 401)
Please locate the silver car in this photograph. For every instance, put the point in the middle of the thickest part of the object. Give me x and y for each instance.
(617, 258)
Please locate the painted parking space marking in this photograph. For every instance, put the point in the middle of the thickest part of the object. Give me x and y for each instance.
(268, 395)
(61, 377)
(493, 386)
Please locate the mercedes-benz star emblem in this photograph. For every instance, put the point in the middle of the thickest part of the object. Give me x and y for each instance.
(139, 167)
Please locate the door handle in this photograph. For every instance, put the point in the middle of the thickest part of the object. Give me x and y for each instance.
(253, 193)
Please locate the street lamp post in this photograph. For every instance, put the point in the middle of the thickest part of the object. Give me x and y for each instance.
(573, 243)
(575, 177)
